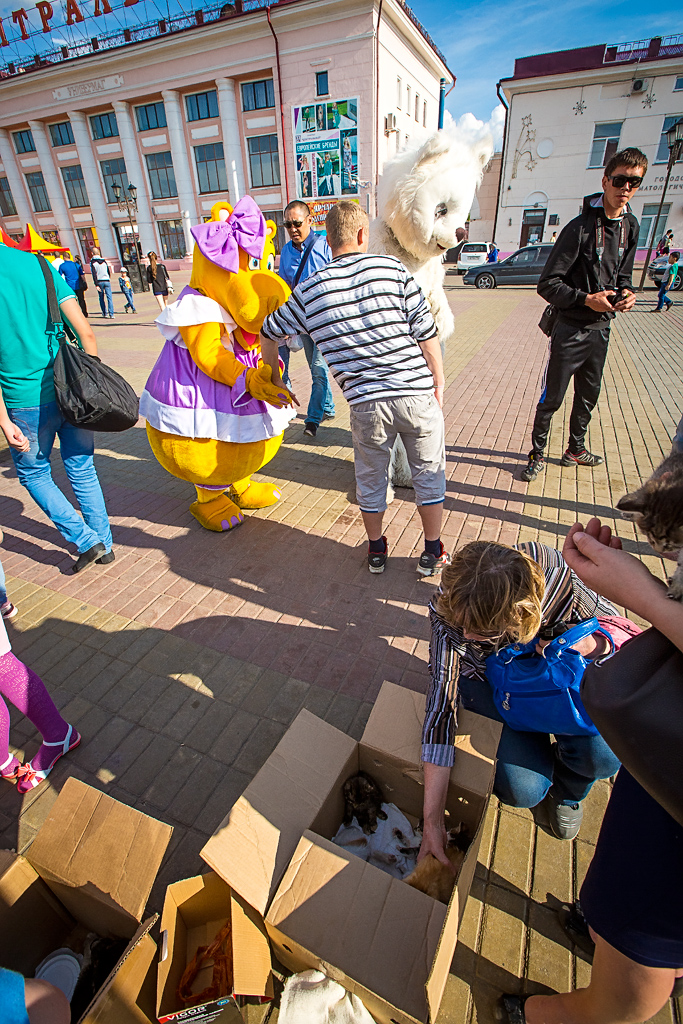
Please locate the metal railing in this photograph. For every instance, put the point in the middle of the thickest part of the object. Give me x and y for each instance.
(640, 49)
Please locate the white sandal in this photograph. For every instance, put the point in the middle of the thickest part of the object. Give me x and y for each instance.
(28, 777)
(13, 776)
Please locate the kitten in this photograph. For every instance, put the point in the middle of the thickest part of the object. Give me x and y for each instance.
(100, 957)
(363, 800)
(657, 509)
(432, 877)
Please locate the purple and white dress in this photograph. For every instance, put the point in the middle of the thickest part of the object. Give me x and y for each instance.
(179, 398)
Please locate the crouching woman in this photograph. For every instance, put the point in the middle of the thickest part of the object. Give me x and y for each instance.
(490, 596)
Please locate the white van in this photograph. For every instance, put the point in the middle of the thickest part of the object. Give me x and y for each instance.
(472, 254)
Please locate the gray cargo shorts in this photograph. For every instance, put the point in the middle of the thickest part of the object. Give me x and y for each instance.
(374, 428)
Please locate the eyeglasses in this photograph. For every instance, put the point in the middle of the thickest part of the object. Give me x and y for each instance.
(293, 223)
(619, 180)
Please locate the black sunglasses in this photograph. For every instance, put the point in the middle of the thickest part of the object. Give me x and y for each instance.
(293, 223)
(619, 180)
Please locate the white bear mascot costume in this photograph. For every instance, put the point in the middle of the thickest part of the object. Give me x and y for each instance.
(424, 193)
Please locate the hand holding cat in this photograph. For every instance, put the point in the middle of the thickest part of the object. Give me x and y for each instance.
(434, 841)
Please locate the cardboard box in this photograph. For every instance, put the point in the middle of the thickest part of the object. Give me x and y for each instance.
(90, 868)
(326, 909)
(195, 910)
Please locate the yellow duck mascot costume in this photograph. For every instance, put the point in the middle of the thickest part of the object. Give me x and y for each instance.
(213, 415)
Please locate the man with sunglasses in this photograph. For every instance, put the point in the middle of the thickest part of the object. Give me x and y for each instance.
(587, 279)
(303, 256)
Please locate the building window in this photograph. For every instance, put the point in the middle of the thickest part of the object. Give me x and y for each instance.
(280, 239)
(605, 143)
(408, 92)
(663, 150)
(172, 239)
(211, 168)
(202, 105)
(113, 172)
(648, 231)
(417, 107)
(104, 126)
(39, 196)
(7, 207)
(258, 95)
(62, 134)
(263, 160)
(151, 115)
(51, 236)
(88, 239)
(17, 237)
(75, 186)
(399, 93)
(424, 114)
(321, 85)
(161, 176)
(678, 85)
(23, 142)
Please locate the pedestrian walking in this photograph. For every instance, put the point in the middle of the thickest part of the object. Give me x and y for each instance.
(101, 275)
(553, 238)
(302, 257)
(664, 244)
(82, 286)
(29, 415)
(7, 609)
(587, 279)
(373, 325)
(157, 276)
(668, 281)
(126, 287)
(72, 272)
(492, 256)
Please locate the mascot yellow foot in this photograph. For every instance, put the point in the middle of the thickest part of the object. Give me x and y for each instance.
(250, 495)
(216, 512)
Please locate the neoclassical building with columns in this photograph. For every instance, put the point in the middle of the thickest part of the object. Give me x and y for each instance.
(245, 98)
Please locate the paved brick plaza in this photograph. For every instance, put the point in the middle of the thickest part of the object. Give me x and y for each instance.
(183, 663)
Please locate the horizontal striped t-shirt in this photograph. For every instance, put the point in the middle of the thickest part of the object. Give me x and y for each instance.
(566, 598)
(368, 317)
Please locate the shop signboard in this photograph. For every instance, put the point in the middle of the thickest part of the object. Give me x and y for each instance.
(326, 147)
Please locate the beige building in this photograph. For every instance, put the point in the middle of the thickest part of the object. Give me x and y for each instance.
(483, 212)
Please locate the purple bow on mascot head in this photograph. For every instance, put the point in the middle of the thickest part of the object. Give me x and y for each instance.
(221, 240)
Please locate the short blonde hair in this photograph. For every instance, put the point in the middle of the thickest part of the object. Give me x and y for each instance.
(492, 589)
(343, 223)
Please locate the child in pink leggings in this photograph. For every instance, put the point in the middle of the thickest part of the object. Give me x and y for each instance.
(23, 688)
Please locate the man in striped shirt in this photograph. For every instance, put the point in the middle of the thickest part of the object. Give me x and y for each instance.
(372, 324)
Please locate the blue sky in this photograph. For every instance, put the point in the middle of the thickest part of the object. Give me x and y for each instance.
(481, 38)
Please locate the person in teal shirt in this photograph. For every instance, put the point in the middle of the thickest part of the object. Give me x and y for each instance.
(29, 415)
(668, 281)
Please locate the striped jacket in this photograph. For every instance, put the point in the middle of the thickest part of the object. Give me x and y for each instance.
(368, 317)
(566, 598)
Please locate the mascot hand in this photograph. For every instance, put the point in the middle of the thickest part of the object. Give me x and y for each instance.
(259, 384)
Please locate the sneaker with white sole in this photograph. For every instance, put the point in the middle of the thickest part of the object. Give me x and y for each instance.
(565, 819)
(430, 564)
(377, 560)
(535, 465)
(9, 610)
(582, 458)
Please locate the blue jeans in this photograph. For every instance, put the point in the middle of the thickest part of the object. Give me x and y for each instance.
(128, 292)
(283, 352)
(321, 402)
(41, 424)
(528, 764)
(662, 298)
(104, 288)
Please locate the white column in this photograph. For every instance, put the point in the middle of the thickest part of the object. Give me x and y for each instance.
(93, 183)
(232, 142)
(181, 164)
(135, 173)
(14, 177)
(55, 187)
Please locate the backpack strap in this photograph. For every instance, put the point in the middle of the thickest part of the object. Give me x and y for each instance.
(304, 257)
(52, 304)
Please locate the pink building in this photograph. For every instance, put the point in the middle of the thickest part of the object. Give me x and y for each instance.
(281, 101)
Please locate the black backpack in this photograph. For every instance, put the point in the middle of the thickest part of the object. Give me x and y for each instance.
(89, 393)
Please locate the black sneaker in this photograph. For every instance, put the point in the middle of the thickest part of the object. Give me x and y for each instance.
(430, 564)
(88, 557)
(582, 458)
(535, 466)
(310, 429)
(377, 560)
(106, 559)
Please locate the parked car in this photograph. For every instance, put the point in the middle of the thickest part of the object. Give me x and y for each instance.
(523, 267)
(656, 272)
(472, 254)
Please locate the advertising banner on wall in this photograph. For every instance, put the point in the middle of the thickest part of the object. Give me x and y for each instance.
(321, 207)
(326, 147)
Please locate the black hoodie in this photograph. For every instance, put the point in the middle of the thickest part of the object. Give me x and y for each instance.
(573, 269)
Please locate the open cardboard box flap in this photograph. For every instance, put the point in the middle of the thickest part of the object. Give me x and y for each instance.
(252, 846)
(100, 857)
(394, 728)
(122, 987)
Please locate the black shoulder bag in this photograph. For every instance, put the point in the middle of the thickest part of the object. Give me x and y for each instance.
(89, 393)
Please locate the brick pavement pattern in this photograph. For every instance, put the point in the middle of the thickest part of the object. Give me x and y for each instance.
(183, 663)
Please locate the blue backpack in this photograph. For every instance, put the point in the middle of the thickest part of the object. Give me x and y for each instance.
(540, 692)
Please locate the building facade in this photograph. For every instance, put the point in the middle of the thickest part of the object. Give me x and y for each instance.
(281, 101)
(568, 113)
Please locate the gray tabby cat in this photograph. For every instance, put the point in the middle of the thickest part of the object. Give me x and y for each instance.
(657, 509)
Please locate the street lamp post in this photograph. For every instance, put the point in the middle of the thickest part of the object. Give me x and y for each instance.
(674, 140)
(129, 203)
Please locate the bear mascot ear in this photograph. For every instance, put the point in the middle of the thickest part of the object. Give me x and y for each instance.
(483, 149)
(221, 211)
(435, 146)
(271, 229)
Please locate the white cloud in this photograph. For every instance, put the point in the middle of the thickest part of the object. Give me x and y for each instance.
(474, 129)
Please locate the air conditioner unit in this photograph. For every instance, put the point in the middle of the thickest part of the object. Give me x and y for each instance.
(389, 123)
(640, 85)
